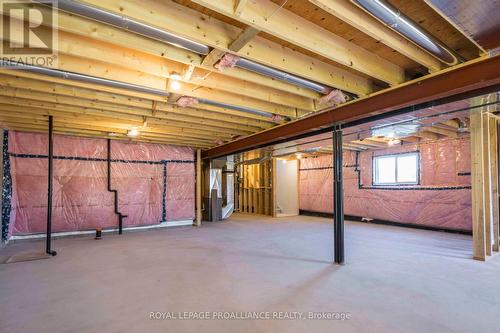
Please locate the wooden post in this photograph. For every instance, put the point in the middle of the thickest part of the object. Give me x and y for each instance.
(198, 187)
(1, 183)
(273, 204)
(486, 182)
(245, 188)
(478, 223)
(494, 180)
(484, 172)
(266, 188)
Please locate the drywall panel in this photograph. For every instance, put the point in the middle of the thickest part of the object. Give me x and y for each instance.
(286, 187)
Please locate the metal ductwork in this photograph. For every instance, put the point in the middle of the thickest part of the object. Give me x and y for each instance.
(130, 25)
(80, 77)
(397, 21)
(280, 75)
(234, 107)
(125, 23)
(117, 84)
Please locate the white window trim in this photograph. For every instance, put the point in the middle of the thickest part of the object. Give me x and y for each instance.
(396, 183)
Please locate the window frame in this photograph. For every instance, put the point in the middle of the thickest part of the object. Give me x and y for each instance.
(396, 156)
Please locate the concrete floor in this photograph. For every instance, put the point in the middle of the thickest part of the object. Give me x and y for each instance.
(395, 280)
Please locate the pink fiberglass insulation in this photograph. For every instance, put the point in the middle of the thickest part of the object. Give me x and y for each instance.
(443, 198)
(81, 199)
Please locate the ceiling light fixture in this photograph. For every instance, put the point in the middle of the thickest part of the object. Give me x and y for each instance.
(394, 142)
(175, 85)
(175, 78)
(133, 132)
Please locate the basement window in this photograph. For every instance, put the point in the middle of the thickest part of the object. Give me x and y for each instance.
(397, 169)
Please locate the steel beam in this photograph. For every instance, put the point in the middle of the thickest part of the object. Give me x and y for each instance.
(462, 81)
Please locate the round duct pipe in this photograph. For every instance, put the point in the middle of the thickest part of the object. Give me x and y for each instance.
(80, 77)
(397, 21)
(137, 27)
(234, 107)
(123, 22)
(280, 75)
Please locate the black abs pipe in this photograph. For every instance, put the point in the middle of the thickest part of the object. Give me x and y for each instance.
(338, 197)
(48, 249)
(117, 212)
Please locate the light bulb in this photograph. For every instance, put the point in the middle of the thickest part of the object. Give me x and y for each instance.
(133, 132)
(176, 85)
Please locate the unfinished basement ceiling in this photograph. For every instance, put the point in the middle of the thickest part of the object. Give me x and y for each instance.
(479, 22)
(446, 121)
(300, 38)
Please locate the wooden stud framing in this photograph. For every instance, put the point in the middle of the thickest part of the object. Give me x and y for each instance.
(254, 189)
(493, 152)
(198, 187)
(484, 171)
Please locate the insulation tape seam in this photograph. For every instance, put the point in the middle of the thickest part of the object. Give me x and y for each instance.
(96, 159)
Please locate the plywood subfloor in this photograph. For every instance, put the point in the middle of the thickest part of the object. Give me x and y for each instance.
(395, 280)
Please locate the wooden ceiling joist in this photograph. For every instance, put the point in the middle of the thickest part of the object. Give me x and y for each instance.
(118, 73)
(103, 127)
(204, 29)
(175, 120)
(333, 43)
(239, 6)
(301, 32)
(169, 119)
(42, 128)
(25, 80)
(474, 77)
(117, 37)
(427, 135)
(360, 20)
(72, 45)
(441, 131)
(117, 125)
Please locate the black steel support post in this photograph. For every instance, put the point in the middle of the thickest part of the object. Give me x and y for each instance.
(338, 197)
(49, 189)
